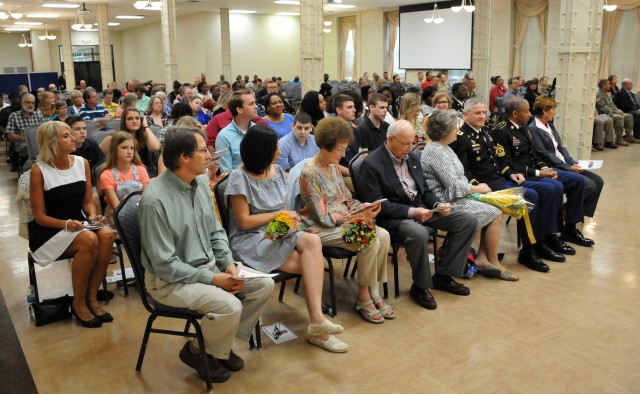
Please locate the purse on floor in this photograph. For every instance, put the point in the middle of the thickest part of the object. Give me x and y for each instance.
(52, 310)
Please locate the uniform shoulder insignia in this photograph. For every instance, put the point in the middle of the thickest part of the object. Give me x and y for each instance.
(499, 150)
(460, 132)
(501, 124)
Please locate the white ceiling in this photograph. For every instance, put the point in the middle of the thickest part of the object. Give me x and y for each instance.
(184, 7)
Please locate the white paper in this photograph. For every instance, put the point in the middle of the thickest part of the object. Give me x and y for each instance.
(366, 205)
(284, 333)
(590, 164)
(244, 274)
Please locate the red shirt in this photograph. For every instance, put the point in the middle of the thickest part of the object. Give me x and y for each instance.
(425, 84)
(495, 92)
(221, 121)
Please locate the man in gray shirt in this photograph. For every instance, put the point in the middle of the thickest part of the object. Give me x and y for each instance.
(185, 252)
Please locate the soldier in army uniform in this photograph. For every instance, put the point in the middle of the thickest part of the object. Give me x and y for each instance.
(622, 122)
(514, 149)
(476, 152)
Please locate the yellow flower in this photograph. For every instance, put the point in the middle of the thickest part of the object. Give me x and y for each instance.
(283, 217)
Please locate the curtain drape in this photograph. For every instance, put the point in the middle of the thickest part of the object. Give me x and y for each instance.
(611, 22)
(542, 27)
(624, 55)
(525, 9)
(393, 18)
(348, 24)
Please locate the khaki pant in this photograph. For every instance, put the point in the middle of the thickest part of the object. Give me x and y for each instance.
(225, 316)
(603, 130)
(623, 124)
(372, 261)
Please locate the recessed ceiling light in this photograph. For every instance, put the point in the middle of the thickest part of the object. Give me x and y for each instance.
(129, 17)
(42, 16)
(60, 5)
(242, 12)
(28, 23)
(334, 5)
(290, 2)
(288, 13)
(17, 29)
(110, 24)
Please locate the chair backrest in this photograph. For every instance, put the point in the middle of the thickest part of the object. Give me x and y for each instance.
(354, 172)
(293, 185)
(297, 92)
(128, 226)
(638, 98)
(91, 126)
(113, 124)
(221, 202)
(500, 105)
(32, 143)
(99, 135)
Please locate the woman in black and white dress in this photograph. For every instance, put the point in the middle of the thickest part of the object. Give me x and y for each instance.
(61, 199)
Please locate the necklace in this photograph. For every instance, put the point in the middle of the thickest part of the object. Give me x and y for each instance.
(63, 172)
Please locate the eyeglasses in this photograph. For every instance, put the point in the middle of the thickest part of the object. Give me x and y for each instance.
(442, 102)
(342, 151)
(405, 147)
(203, 151)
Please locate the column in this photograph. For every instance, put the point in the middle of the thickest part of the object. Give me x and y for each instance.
(578, 61)
(169, 42)
(482, 48)
(225, 38)
(501, 39)
(106, 59)
(553, 40)
(311, 44)
(67, 57)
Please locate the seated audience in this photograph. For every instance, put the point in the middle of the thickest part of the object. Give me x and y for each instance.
(604, 134)
(531, 92)
(129, 100)
(613, 81)
(444, 175)
(18, 123)
(47, 105)
(85, 147)
(93, 111)
(142, 102)
(192, 272)
(410, 111)
(427, 100)
(299, 144)
(61, 111)
(277, 119)
(315, 105)
(196, 106)
(409, 214)
(497, 90)
(471, 87)
(76, 102)
(459, 95)
(543, 86)
(622, 122)
(108, 103)
(373, 128)
(242, 106)
(344, 107)
(327, 205)
(257, 194)
(625, 100)
(61, 201)
(392, 112)
(513, 90)
(155, 113)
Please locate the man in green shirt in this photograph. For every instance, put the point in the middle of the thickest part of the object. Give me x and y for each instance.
(186, 256)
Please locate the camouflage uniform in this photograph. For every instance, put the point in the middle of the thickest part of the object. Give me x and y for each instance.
(621, 122)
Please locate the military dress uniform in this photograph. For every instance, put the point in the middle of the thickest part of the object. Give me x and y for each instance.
(623, 123)
(514, 149)
(477, 153)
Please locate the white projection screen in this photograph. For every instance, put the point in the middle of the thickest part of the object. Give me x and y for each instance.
(443, 46)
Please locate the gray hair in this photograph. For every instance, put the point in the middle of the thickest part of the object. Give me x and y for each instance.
(27, 95)
(471, 102)
(514, 104)
(74, 94)
(398, 126)
(441, 123)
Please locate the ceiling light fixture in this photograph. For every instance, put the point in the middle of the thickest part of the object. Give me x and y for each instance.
(24, 43)
(47, 35)
(326, 23)
(435, 16)
(28, 23)
(148, 5)
(43, 16)
(14, 15)
(129, 17)
(326, 30)
(288, 13)
(464, 6)
(609, 7)
(335, 5)
(287, 2)
(242, 12)
(79, 24)
(3, 15)
(60, 5)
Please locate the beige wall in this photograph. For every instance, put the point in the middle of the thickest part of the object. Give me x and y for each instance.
(371, 27)
(332, 49)
(12, 55)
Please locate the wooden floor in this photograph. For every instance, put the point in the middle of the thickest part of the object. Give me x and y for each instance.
(573, 330)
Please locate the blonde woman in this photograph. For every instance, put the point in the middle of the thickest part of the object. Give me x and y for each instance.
(128, 101)
(410, 111)
(47, 105)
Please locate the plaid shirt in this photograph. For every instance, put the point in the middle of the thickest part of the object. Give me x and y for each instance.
(18, 123)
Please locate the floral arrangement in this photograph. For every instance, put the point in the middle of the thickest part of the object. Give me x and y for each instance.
(359, 232)
(510, 202)
(279, 227)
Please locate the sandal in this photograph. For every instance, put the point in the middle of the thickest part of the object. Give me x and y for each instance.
(490, 270)
(368, 315)
(385, 310)
(509, 276)
(326, 327)
(332, 344)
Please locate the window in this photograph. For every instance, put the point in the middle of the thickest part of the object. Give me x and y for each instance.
(348, 57)
(396, 56)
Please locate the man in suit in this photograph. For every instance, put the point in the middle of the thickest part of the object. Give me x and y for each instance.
(625, 100)
(514, 148)
(477, 154)
(409, 214)
(460, 94)
(548, 145)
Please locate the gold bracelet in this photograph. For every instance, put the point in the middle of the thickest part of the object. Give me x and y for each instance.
(66, 224)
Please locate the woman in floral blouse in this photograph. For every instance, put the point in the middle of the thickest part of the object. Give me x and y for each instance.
(327, 206)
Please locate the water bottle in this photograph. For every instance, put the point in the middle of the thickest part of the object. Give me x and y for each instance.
(31, 299)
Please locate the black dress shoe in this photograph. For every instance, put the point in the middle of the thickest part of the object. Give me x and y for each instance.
(93, 323)
(531, 260)
(217, 371)
(450, 286)
(423, 297)
(545, 252)
(576, 237)
(559, 246)
(105, 317)
(234, 363)
(610, 145)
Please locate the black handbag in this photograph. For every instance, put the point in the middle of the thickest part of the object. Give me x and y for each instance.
(52, 310)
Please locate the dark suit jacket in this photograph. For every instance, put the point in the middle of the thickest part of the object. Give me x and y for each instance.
(543, 146)
(381, 181)
(624, 102)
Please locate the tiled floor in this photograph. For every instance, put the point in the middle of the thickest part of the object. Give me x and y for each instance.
(575, 329)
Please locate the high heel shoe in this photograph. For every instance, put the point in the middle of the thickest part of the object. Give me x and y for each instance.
(105, 318)
(93, 323)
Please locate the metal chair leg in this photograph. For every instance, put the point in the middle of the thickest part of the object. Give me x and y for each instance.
(332, 287)
(145, 341)
(283, 285)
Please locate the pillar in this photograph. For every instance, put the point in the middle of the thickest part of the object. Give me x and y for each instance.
(225, 38)
(501, 38)
(578, 62)
(311, 44)
(553, 40)
(482, 48)
(169, 42)
(67, 56)
(104, 42)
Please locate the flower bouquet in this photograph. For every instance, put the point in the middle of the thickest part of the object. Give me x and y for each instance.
(359, 232)
(511, 202)
(279, 227)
